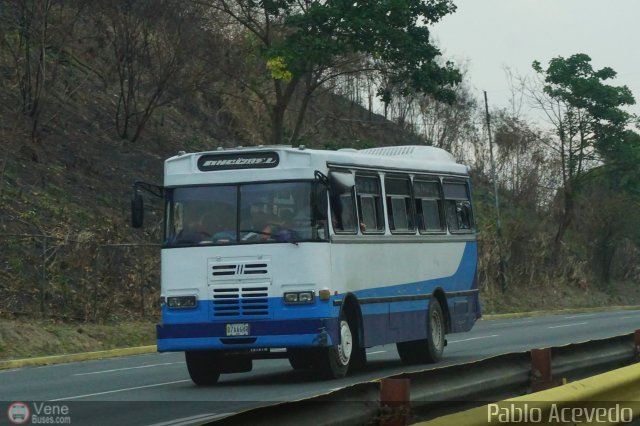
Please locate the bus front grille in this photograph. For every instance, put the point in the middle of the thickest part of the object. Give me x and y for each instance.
(224, 269)
(250, 301)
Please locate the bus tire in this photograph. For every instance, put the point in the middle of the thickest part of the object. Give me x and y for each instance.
(300, 358)
(436, 333)
(202, 366)
(427, 350)
(358, 353)
(358, 358)
(333, 362)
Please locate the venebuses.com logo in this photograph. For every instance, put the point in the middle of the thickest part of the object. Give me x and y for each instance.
(18, 413)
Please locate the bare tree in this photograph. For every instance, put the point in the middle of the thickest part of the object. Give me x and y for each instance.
(36, 38)
(151, 43)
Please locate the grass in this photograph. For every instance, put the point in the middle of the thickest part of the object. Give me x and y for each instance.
(557, 298)
(559, 312)
(32, 338)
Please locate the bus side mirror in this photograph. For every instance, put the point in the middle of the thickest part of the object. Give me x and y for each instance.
(341, 182)
(137, 210)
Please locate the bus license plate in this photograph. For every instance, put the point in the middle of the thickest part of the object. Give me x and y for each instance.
(238, 329)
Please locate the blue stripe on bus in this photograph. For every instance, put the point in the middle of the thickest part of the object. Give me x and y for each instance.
(383, 328)
(314, 332)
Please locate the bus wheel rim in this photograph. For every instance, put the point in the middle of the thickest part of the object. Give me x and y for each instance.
(436, 330)
(346, 343)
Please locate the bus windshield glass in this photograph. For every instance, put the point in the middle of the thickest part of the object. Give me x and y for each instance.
(242, 214)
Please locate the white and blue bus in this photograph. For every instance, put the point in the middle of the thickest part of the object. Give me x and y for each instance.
(322, 253)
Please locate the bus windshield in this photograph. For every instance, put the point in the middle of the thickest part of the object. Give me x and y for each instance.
(243, 214)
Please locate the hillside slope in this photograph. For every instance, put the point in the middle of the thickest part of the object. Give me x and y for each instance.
(65, 193)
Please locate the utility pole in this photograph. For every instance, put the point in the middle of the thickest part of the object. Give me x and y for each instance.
(503, 264)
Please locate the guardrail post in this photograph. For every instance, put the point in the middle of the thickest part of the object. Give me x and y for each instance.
(636, 340)
(541, 377)
(395, 402)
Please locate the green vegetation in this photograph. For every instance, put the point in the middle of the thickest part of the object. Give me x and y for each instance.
(304, 46)
(588, 121)
(27, 339)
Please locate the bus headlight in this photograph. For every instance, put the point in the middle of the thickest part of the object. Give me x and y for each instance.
(181, 302)
(305, 297)
(299, 297)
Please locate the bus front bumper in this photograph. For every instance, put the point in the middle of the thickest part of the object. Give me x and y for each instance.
(316, 332)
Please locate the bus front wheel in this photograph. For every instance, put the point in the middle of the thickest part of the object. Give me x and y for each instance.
(427, 350)
(333, 362)
(203, 367)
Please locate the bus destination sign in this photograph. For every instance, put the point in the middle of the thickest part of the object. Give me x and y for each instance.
(249, 160)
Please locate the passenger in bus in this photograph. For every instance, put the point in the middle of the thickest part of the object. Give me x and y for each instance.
(224, 232)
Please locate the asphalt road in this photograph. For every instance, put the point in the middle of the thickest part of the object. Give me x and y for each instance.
(155, 389)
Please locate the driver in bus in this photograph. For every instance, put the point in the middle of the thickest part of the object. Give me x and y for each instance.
(258, 224)
(270, 227)
(285, 231)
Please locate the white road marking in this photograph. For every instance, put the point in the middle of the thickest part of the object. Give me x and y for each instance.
(568, 325)
(509, 322)
(517, 322)
(628, 317)
(581, 316)
(472, 338)
(126, 368)
(193, 419)
(118, 390)
(375, 352)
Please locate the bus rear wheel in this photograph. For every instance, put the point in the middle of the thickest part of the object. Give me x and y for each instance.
(203, 367)
(427, 350)
(333, 362)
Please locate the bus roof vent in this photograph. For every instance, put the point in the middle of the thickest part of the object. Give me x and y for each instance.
(428, 153)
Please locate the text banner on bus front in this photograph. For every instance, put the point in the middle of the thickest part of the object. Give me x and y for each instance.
(249, 160)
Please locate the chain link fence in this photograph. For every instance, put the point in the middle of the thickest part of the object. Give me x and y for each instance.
(47, 276)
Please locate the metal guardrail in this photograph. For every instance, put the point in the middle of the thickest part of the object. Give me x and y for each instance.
(436, 392)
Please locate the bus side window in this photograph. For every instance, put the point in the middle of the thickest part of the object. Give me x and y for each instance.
(399, 205)
(343, 213)
(458, 207)
(428, 206)
(369, 196)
